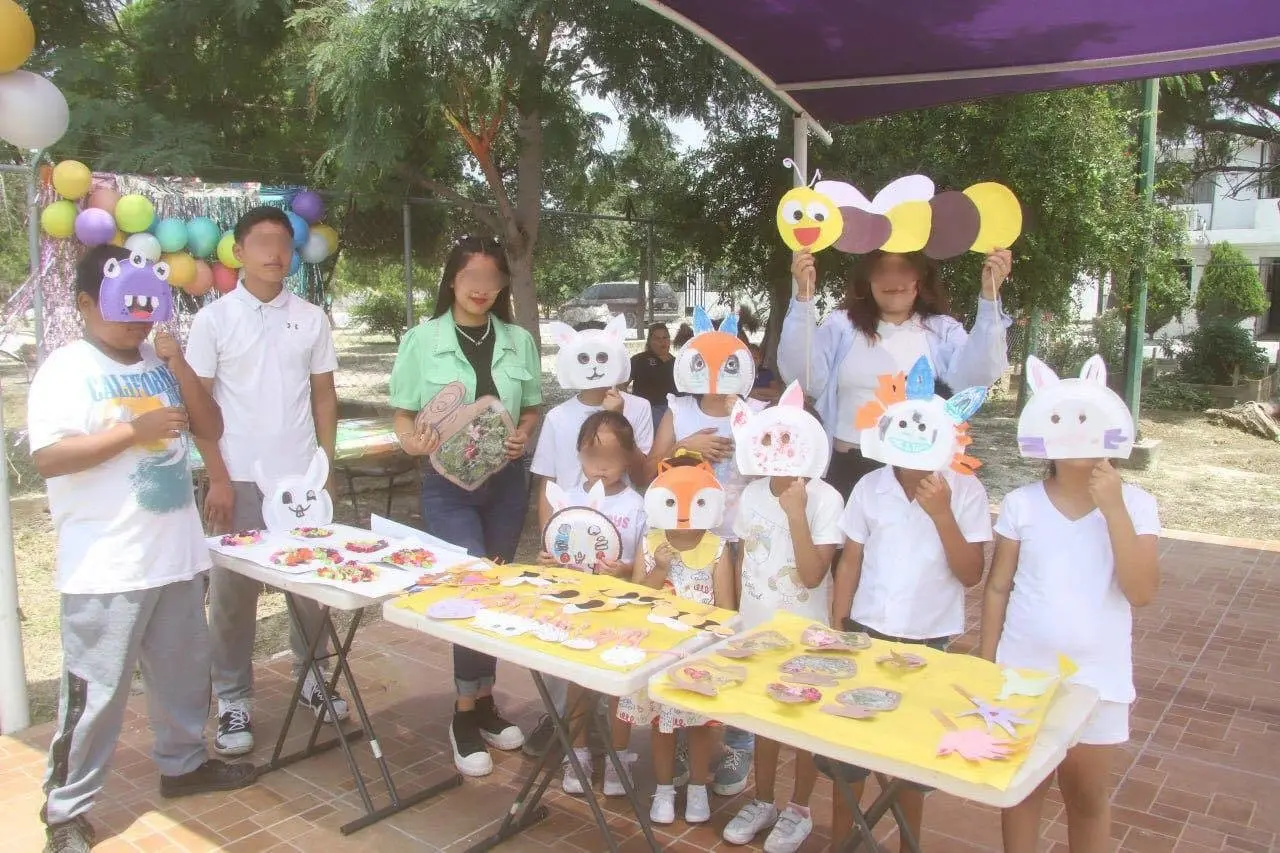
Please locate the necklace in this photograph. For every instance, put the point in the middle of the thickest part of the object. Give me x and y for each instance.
(488, 327)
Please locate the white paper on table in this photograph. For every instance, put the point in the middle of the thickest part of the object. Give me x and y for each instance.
(388, 528)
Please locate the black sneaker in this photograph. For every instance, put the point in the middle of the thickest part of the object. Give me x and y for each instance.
(312, 698)
(72, 836)
(540, 739)
(497, 732)
(213, 775)
(235, 729)
(470, 755)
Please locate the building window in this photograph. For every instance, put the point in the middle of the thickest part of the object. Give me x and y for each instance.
(1200, 191)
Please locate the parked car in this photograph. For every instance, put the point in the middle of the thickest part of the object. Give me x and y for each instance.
(622, 297)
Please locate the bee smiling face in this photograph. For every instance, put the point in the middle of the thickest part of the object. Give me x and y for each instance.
(808, 220)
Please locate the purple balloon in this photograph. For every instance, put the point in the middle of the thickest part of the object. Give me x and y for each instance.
(309, 206)
(94, 226)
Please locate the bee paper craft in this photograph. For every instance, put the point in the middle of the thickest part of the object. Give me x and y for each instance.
(907, 425)
(135, 291)
(580, 537)
(714, 361)
(781, 441)
(1074, 418)
(296, 500)
(684, 496)
(592, 358)
(472, 436)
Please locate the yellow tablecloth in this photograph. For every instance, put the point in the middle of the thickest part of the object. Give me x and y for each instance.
(659, 638)
(909, 734)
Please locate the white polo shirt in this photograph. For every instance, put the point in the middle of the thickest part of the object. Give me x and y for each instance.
(556, 455)
(906, 588)
(261, 356)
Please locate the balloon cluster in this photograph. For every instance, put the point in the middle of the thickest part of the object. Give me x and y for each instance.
(200, 255)
(33, 113)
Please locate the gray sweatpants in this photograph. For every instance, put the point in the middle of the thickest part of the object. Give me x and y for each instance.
(103, 638)
(233, 613)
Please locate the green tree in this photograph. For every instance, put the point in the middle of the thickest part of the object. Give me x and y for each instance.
(1230, 288)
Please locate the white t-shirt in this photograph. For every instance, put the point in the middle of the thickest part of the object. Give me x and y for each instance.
(261, 356)
(770, 580)
(625, 510)
(906, 588)
(1066, 599)
(130, 523)
(897, 349)
(556, 456)
(688, 418)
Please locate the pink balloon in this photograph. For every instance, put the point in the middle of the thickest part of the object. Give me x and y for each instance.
(224, 278)
(104, 198)
(203, 280)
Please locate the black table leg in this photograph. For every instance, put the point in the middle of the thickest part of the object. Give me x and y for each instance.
(602, 723)
(865, 821)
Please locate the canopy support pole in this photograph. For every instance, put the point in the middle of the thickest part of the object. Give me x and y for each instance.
(1138, 281)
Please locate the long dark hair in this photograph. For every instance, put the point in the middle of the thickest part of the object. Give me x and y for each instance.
(463, 249)
(860, 303)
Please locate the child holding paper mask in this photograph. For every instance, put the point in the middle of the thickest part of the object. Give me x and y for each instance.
(1074, 554)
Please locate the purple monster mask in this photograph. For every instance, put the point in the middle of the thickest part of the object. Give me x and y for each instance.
(135, 291)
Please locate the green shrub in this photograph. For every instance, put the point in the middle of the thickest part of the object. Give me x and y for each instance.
(381, 312)
(1065, 345)
(1216, 349)
(1167, 392)
(1230, 288)
(1168, 295)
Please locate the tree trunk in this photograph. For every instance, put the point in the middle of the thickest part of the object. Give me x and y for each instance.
(523, 294)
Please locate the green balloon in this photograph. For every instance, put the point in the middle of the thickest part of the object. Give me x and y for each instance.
(59, 219)
(226, 253)
(134, 213)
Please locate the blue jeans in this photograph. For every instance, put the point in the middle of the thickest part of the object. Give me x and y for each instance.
(487, 523)
(658, 410)
(739, 740)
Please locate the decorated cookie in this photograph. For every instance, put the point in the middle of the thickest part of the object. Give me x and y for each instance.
(244, 537)
(365, 546)
(349, 572)
(311, 532)
(302, 556)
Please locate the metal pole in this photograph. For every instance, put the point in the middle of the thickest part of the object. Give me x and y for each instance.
(648, 254)
(408, 265)
(1138, 282)
(800, 156)
(33, 253)
(15, 714)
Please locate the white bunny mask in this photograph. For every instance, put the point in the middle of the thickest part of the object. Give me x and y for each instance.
(296, 501)
(781, 441)
(1077, 418)
(592, 358)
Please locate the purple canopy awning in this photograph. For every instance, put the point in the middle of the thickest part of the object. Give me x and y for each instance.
(845, 60)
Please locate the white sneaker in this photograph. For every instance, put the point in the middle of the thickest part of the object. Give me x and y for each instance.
(235, 728)
(663, 810)
(469, 753)
(753, 818)
(792, 828)
(570, 783)
(612, 786)
(697, 804)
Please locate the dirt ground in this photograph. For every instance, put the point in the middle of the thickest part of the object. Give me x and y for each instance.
(1208, 479)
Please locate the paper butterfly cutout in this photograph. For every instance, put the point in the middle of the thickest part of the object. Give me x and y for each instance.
(684, 496)
(580, 537)
(907, 425)
(714, 361)
(135, 291)
(781, 441)
(1074, 418)
(994, 716)
(592, 358)
(1017, 684)
(295, 500)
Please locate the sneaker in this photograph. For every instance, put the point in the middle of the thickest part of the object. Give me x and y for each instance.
(312, 698)
(571, 784)
(469, 753)
(750, 821)
(540, 739)
(732, 773)
(663, 810)
(497, 732)
(793, 827)
(72, 836)
(235, 728)
(213, 775)
(697, 804)
(612, 785)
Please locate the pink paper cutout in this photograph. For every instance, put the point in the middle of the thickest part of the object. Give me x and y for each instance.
(975, 745)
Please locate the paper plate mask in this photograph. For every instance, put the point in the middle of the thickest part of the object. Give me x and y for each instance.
(714, 362)
(135, 291)
(684, 496)
(296, 501)
(580, 537)
(906, 425)
(1074, 418)
(782, 441)
(593, 358)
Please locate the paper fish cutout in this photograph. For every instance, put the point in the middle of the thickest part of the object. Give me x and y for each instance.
(1017, 684)
(471, 435)
(684, 496)
(580, 537)
(592, 358)
(135, 291)
(781, 441)
(907, 425)
(714, 361)
(1074, 418)
(296, 500)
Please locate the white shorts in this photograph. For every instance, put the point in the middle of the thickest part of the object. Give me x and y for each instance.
(1108, 726)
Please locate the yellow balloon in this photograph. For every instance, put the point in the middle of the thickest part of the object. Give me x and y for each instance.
(329, 234)
(999, 216)
(182, 268)
(119, 239)
(135, 213)
(59, 219)
(226, 251)
(72, 179)
(910, 223)
(17, 36)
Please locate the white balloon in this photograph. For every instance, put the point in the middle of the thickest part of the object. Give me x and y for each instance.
(316, 249)
(33, 113)
(147, 245)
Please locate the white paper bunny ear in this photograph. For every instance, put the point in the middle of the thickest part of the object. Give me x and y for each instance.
(1094, 370)
(595, 497)
(1039, 374)
(617, 327)
(561, 333)
(318, 470)
(556, 496)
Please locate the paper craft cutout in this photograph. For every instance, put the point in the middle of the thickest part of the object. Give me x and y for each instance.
(1078, 418)
(241, 538)
(781, 441)
(684, 496)
(349, 572)
(907, 425)
(311, 532)
(295, 499)
(593, 358)
(876, 699)
(365, 546)
(808, 218)
(810, 678)
(303, 556)
(994, 716)
(135, 291)
(581, 644)
(850, 712)
(552, 632)
(664, 612)
(793, 694)
(714, 361)
(580, 537)
(472, 436)
(999, 215)
(1017, 684)
(706, 678)
(623, 656)
(454, 608)
(419, 558)
(827, 666)
(458, 578)
(902, 661)
(974, 744)
(530, 578)
(753, 644)
(820, 638)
